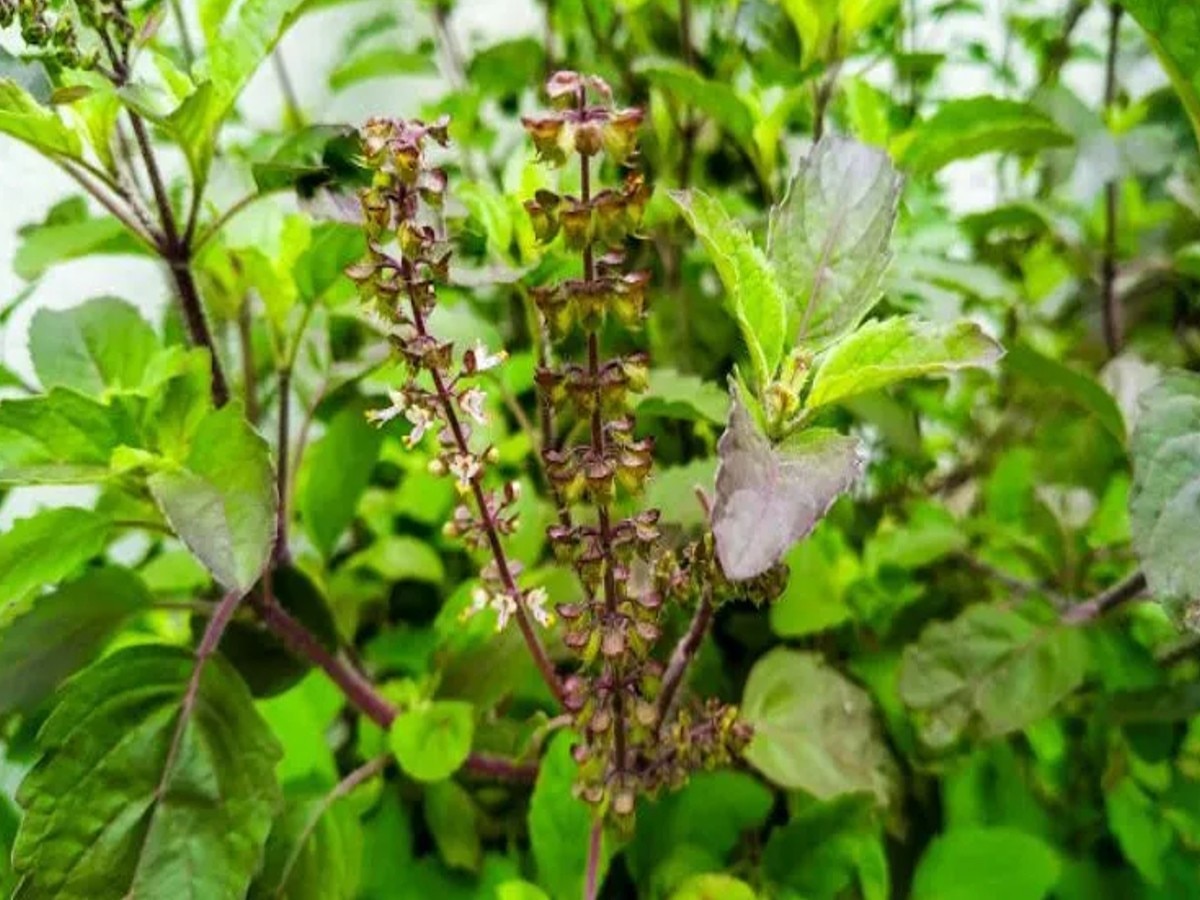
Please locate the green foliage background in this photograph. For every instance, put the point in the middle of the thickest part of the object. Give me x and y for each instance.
(981, 680)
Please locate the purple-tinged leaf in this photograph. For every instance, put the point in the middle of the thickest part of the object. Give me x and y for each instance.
(770, 497)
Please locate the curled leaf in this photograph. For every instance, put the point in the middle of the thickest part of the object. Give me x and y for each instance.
(770, 497)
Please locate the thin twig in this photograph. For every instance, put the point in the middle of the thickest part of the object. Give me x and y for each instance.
(222, 220)
(282, 480)
(123, 215)
(1020, 585)
(1108, 275)
(249, 374)
(185, 35)
(295, 115)
(1059, 50)
(591, 879)
(824, 90)
(1123, 591)
(500, 768)
(682, 656)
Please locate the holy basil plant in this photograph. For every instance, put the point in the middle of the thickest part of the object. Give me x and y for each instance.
(800, 307)
(534, 489)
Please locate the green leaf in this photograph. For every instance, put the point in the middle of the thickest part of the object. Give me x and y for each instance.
(1171, 28)
(713, 887)
(30, 74)
(315, 852)
(770, 496)
(885, 351)
(961, 129)
(752, 294)
(60, 438)
(972, 863)
(102, 344)
(710, 813)
(1082, 390)
(520, 890)
(451, 816)
(930, 534)
(379, 62)
(221, 501)
(25, 119)
(814, 729)
(333, 247)
(814, 599)
(672, 395)
(300, 720)
(307, 158)
(50, 636)
(240, 37)
(144, 792)
(44, 246)
(716, 99)
(828, 243)
(508, 67)
(1137, 822)
(400, 558)
(388, 848)
(337, 471)
(1166, 490)
(988, 673)
(433, 741)
(46, 548)
(829, 850)
(560, 825)
(669, 485)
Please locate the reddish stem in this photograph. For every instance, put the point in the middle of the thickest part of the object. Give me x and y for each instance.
(591, 880)
(597, 441)
(682, 656)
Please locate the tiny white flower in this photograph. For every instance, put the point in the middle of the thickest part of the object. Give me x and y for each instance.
(380, 417)
(484, 360)
(421, 420)
(535, 601)
(479, 600)
(472, 404)
(505, 606)
(464, 467)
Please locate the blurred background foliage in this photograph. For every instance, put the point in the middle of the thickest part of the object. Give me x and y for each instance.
(961, 693)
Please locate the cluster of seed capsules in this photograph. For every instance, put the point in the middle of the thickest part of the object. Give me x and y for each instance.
(55, 35)
(630, 744)
(406, 259)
